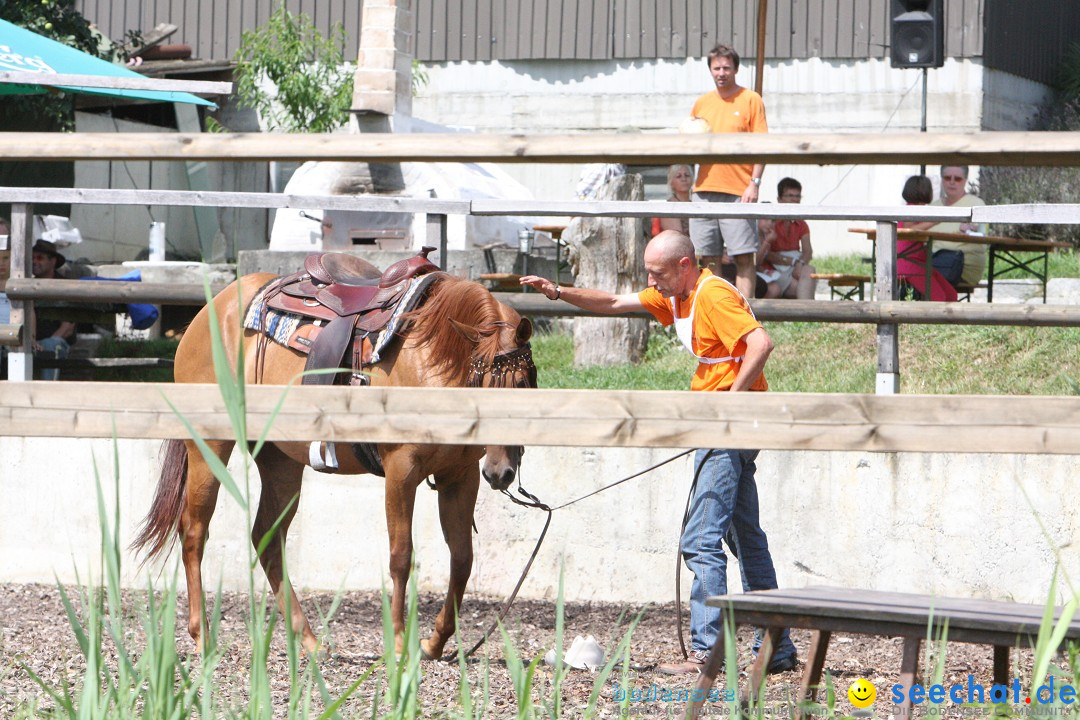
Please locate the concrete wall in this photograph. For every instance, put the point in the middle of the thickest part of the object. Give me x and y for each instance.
(961, 525)
(813, 95)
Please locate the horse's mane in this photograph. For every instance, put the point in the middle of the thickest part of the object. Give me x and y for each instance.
(430, 327)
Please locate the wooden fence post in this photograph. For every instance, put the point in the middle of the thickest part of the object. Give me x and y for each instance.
(21, 357)
(436, 236)
(885, 289)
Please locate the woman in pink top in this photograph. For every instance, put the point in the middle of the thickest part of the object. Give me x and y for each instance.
(911, 255)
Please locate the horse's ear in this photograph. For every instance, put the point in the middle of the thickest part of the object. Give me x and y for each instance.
(524, 331)
(468, 332)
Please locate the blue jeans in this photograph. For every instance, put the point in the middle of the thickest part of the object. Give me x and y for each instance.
(725, 507)
(53, 347)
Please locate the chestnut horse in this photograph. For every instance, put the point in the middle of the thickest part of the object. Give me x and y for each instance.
(460, 336)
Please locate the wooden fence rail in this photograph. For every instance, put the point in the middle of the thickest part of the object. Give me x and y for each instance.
(1060, 214)
(572, 418)
(990, 148)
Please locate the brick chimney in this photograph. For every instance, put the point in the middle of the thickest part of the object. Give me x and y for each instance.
(383, 81)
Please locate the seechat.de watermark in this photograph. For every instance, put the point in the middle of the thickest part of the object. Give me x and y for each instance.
(968, 699)
(973, 692)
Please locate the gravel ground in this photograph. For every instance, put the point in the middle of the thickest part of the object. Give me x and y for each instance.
(35, 631)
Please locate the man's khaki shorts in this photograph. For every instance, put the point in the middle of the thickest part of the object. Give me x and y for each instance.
(715, 236)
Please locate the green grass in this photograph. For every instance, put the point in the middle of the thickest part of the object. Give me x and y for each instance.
(827, 357)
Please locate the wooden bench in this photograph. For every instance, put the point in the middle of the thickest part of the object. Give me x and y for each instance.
(963, 292)
(504, 282)
(826, 610)
(844, 286)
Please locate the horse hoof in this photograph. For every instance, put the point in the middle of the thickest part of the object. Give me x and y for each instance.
(427, 651)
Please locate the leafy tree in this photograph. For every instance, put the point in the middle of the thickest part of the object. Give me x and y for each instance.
(60, 21)
(57, 20)
(314, 90)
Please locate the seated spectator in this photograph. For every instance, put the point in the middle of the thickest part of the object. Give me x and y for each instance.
(911, 255)
(52, 338)
(680, 179)
(767, 275)
(790, 252)
(961, 263)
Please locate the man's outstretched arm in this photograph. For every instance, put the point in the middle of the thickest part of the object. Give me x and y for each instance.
(584, 298)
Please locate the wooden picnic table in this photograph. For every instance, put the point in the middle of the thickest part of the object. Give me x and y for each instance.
(1002, 251)
(826, 610)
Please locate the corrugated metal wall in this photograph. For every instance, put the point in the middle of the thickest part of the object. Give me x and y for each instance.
(213, 27)
(449, 30)
(1027, 43)
(600, 29)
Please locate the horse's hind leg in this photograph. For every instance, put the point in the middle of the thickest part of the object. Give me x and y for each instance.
(201, 494)
(457, 500)
(281, 478)
(401, 481)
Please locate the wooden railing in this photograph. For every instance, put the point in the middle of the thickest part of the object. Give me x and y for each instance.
(1015, 148)
(570, 418)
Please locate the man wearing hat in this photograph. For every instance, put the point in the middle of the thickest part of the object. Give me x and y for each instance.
(51, 337)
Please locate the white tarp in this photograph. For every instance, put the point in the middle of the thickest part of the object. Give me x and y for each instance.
(443, 180)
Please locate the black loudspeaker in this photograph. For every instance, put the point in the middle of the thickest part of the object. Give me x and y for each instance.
(918, 33)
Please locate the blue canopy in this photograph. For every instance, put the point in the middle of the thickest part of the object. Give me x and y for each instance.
(25, 51)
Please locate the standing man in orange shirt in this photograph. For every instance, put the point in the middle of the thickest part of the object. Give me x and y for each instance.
(730, 108)
(714, 322)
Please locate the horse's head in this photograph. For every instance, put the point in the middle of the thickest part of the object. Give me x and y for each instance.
(504, 363)
(463, 320)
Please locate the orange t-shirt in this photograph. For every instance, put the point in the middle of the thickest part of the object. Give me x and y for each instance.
(743, 112)
(722, 318)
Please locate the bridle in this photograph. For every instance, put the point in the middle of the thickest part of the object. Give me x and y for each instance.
(516, 365)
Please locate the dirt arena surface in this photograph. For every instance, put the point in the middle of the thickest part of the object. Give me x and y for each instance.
(34, 630)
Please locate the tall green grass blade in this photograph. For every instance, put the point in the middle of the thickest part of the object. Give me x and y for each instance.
(605, 672)
(264, 541)
(1051, 634)
(332, 708)
(464, 691)
(521, 676)
(281, 403)
(217, 467)
(230, 384)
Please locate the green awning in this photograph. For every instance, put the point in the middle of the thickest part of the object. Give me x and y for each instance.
(25, 51)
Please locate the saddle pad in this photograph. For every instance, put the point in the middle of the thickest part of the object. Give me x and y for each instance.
(278, 326)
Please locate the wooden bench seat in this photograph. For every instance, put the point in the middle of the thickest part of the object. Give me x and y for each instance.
(843, 285)
(826, 610)
(963, 292)
(506, 282)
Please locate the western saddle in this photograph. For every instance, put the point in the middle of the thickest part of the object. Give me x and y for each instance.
(336, 303)
(343, 299)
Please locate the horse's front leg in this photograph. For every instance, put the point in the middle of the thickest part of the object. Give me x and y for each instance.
(401, 482)
(281, 479)
(457, 501)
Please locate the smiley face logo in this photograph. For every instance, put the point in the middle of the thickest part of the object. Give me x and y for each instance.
(862, 693)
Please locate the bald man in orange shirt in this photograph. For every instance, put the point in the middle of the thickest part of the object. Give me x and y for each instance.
(714, 322)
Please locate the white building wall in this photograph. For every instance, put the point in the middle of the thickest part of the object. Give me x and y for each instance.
(956, 525)
(811, 95)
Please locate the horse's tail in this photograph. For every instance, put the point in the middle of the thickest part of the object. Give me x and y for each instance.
(158, 531)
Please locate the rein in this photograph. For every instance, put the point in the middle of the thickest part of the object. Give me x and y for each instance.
(535, 502)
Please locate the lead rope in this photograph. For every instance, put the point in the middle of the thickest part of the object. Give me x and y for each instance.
(535, 502)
